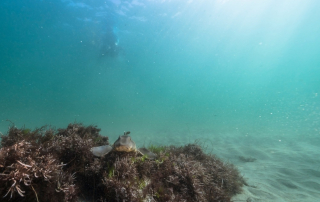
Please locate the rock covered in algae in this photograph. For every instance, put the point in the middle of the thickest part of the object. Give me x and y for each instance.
(58, 165)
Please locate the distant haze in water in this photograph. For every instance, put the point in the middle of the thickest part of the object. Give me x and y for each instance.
(151, 66)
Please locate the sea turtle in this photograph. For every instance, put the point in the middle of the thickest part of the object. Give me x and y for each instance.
(123, 144)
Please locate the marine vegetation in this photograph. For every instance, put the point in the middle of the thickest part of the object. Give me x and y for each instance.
(59, 165)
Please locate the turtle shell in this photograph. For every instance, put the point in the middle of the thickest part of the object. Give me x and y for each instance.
(125, 144)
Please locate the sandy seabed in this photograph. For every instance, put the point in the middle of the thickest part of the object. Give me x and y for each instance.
(280, 172)
(277, 168)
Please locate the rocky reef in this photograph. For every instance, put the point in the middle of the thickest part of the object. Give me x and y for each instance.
(57, 165)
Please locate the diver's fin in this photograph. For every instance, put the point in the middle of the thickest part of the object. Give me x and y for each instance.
(101, 150)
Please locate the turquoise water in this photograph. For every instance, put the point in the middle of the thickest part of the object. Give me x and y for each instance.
(213, 64)
(174, 65)
(170, 72)
(218, 65)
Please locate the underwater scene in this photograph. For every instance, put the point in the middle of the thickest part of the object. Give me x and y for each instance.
(160, 100)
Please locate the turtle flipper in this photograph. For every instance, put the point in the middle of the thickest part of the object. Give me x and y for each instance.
(101, 150)
(147, 153)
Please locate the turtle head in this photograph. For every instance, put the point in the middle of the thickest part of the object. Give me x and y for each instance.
(126, 133)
